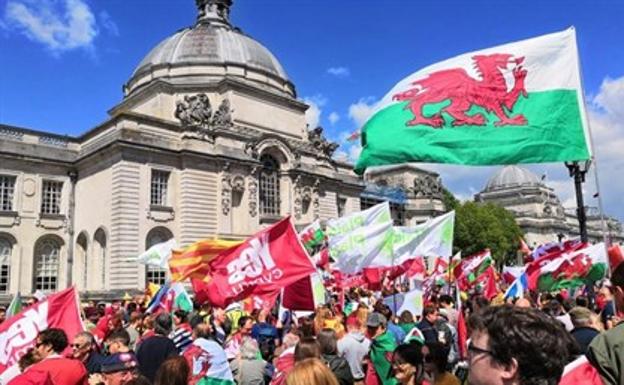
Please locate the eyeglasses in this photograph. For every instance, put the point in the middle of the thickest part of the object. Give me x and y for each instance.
(476, 350)
(77, 346)
(39, 343)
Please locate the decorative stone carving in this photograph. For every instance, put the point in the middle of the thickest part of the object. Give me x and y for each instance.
(197, 118)
(320, 143)
(251, 149)
(426, 186)
(252, 188)
(223, 115)
(230, 184)
(304, 196)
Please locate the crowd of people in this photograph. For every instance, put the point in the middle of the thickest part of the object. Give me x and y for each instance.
(526, 341)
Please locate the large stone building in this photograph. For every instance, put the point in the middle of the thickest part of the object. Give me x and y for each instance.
(538, 211)
(209, 140)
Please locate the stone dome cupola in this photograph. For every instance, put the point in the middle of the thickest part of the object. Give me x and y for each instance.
(512, 177)
(208, 52)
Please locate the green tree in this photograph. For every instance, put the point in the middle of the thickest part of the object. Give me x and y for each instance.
(479, 226)
(449, 200)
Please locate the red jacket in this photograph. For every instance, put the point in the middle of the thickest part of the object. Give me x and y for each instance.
(63, 371)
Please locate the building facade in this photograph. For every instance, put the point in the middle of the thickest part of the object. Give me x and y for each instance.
(538, 210)
(209, 141)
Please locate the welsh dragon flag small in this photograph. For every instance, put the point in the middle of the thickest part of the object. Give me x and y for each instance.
(516, 103)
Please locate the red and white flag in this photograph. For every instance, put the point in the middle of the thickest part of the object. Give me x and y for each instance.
(19, 333)
(267, 262)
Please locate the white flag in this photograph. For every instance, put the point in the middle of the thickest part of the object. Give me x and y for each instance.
(158, 255)
(413, 302)
(433, 238)
(356, 240)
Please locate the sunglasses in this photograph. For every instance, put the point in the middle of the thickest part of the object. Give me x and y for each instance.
(77, 346)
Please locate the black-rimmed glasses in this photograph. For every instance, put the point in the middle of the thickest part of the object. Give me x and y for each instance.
(476, 350)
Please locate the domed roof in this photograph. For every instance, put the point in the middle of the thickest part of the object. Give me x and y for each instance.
(512, 176)
(211, 42)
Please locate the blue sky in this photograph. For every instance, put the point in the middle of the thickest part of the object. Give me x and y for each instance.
(64, 61)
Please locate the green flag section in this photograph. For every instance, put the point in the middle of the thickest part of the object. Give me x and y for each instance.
(516, 103)
(15, 306)
(381, 349)
(574, 269)
(312, 236)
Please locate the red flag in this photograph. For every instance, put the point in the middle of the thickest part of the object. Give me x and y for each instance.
(19, 333)
(462, 334)
(489, 280)
(299, 295)
(270, 260)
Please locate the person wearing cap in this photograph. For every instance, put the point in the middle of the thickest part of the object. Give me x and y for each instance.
(381, 348)
(584, 330)
(154, 350)
(117, 369)
(354, 347)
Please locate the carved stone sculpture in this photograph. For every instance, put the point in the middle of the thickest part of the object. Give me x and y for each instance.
(223, 115)
(320, 143)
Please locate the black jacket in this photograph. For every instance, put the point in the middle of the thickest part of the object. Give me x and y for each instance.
(584, 336)
(340, 367)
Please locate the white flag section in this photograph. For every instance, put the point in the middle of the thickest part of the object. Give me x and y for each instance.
(430, 239)
(356, 240)
(318, 289)
(413, 302)
(158, 255)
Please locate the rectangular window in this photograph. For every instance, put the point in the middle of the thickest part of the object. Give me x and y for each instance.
(51, 197)
(7, 188)
(342, 204)
(156, 275)
(4, 278)
(158, 195)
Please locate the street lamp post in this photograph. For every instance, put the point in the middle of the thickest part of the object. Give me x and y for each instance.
(577, 171)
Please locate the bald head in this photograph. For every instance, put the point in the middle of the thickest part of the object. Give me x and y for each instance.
(523, 302)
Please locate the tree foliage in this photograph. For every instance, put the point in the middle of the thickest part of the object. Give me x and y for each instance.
(479, 226)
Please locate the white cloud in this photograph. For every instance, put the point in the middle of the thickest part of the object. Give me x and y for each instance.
(360, 111)
(108, 24)
(313, 114)
(333, 117)
(59, 28)
(339, 72)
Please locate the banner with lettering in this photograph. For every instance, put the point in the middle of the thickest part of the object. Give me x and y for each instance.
(19, 333)
(355, 241)
(270, 260)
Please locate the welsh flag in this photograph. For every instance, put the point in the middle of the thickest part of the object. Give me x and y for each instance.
(570, 270)
(312, 236)
(471, 268)
(515, 103)
(208, 363)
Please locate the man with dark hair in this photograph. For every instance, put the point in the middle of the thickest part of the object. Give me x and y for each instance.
(234, 341)
(516, 346)
(447, 302)
(381, 348)
(62, 371)
(605, 351)
(154, 350)
(118, 342)
(181, 336)
(427, 325)
(84, 350)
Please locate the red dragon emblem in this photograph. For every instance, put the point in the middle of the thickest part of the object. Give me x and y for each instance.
(464, 91)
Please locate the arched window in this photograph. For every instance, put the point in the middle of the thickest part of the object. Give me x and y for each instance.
(6, 249)
(269, 186)
(156, 235)
(47, 254)
(82, 245)
(100, 254)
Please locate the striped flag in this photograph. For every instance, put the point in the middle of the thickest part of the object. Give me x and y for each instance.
(192, 262)
(517, 288)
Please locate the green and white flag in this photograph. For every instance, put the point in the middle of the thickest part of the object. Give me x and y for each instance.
(433, 238)
(158, 255)
(15, 306)
(358, 239)
(520, 102)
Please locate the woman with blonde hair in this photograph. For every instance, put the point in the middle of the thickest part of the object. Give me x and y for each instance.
(311, 371)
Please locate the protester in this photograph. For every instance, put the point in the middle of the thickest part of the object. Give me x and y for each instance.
(605, 351)
(206, 358)
(584, 331)
(220, 325)
(435, 356)
(248, 368)
(329, 354)
(354, 347)
(174, 371)
(382, 346)
(84, 350)
(406, 321)
(428, 322)
(119, 369)
(181, 336)
(516, 346)
(407, 364)
(447, 303)
(49, 347)
(234, 341)
(118, 341)
(285, 361)
(265, 334)
(134, 328)
(307, 347)
(394, 329)
(154, 350)
(311, 371)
